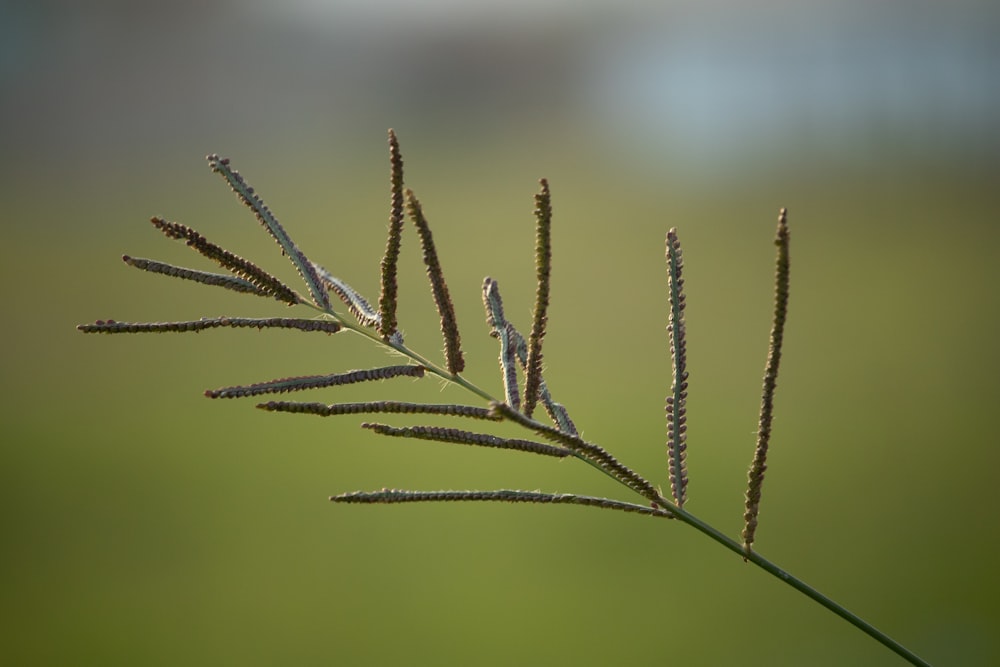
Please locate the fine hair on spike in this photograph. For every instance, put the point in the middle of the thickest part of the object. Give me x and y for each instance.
(543, 268)
(759, 464)
(676, 403)
(301, 383)
(271, 224)
(390, 289)
(267, 284)
(446, 309)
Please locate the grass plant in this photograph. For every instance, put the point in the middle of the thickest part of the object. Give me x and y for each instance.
(524, 386)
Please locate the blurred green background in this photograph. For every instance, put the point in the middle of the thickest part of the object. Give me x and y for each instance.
(144, 524)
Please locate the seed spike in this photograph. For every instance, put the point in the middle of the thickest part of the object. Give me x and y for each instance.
(376, 407)
(240, 267)
(676, 403)
(300, 383)
(505, 332)
(446, 309)
(233, 283)
(457, 436)
(391, 496)
(543, 268)
(113, 327)
(389, 294)
(759, 465)
(271, 224)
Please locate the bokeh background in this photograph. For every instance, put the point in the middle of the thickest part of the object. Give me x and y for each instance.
(145, 524)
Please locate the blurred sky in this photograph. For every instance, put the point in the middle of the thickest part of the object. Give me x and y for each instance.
(713, 84)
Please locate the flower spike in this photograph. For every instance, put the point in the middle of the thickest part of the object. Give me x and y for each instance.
(759, 465)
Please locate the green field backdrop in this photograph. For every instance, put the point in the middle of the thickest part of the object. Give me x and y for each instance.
(144, 524)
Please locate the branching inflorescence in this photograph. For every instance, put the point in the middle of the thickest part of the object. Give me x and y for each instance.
(521, 393)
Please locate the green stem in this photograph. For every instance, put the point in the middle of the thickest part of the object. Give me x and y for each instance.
(680, 514)
(797, 584)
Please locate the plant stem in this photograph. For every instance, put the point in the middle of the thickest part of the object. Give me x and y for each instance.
(796, 583)
(681, 515)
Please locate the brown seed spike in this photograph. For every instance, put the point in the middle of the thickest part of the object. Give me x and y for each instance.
(242, 268)
(676, 404)
(543, 267)
(449, 327)
(461, 437)
(111, 326)
(759, 465)
(388, 297)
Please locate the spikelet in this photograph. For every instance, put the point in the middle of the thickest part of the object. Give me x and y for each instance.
(240, 267)
(505, 333)
(676, 404)
(266, 218)
(513, 347)
(390, 496)
(543, 268)
(113, 327)
(204, 277)
(375, 407)
(457, 436)
(390, 289)
(300, 383)
(759, 465)
(446, 309)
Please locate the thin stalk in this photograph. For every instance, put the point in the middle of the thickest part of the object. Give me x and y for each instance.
(796, 583)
